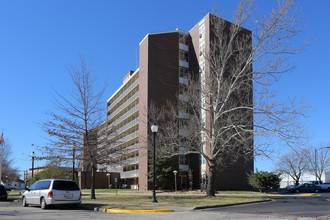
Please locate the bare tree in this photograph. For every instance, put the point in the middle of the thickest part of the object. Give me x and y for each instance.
(76, 122)
(319, 160)
(236, 97)
(294, 163)
(230, 101)
(8, 172)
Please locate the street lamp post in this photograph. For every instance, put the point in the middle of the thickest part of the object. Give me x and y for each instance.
(108, 175)
(316, 165)
(33, 155)
(175, 172)
(73, 159)
(154, 130)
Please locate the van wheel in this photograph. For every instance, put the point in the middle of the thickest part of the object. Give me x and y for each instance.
(297, 191)
(24, 203)
(316, 190)
(43, 203)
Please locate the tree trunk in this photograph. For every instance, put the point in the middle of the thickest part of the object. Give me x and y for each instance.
(210, 191)
(297, 182)
(93, 182)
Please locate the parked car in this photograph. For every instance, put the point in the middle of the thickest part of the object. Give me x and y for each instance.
(324, 186)
(52, 192)
(306, 187)
(3, 193)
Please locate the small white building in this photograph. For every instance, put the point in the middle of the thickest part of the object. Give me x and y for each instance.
(306, 177)
(16, 184)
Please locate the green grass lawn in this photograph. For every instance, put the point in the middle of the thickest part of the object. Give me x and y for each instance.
(109, 190)
(143, 201)
(14, 193)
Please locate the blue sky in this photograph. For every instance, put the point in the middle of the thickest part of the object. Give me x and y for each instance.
(39, 40)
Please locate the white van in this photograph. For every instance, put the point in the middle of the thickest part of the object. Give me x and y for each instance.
(52, 192)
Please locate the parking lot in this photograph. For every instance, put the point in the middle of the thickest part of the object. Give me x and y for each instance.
(289, 205)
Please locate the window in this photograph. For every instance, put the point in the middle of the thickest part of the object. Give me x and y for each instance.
(182, 88)
(183, 72)
(183, 122)
(201, 49)
(183, 39)
(33, 187)
(201, 30)
(183, 107)
(203, 160)
(43, 185)
(202, 67)
(203, 84)
(183, 139)
(183, 159)
(65, 185)
(183, 56)
(203, 102)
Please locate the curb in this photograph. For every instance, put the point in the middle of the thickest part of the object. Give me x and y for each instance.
(226, 205)
(136, 211)
(287, 195)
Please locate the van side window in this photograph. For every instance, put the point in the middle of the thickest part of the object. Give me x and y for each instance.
(43, 185)
(33, 186)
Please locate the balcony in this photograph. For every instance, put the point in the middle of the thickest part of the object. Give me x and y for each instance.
(125, 93)
(183, 63)
(125, 115)
(128, 137)
(123, 106)
(127, 126)
(183, 81)
(119, 153)
(183, 98)
(183, 115)
(129, 174)
(183, 47)
(183, 167)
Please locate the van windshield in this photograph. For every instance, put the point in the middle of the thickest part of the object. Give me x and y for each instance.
(65, 185)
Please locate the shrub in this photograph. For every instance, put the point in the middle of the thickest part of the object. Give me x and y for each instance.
(264, 181)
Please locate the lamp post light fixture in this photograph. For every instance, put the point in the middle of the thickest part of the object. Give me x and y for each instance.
(33, 155)
(316, 166)
(74, 147)
(175, 172)
(108, 175)
(154, 130)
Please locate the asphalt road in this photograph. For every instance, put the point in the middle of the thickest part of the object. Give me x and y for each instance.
(289, 207)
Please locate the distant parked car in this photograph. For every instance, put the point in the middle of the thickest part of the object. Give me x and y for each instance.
(324, 186)
(3, 193)
(52, 192)
(306, 187)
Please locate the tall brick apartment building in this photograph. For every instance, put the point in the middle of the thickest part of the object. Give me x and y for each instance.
(166, 59)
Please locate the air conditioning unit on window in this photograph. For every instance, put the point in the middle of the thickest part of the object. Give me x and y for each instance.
(200, 53)
(200, 35)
